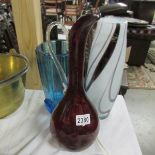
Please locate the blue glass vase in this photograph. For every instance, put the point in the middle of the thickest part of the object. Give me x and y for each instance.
(51, 79)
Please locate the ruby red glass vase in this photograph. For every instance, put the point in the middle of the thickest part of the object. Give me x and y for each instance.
(74, 122)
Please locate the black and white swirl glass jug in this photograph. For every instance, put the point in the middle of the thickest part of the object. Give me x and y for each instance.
(106, 63)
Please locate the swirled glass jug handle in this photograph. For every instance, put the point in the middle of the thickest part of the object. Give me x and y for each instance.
(53, 55)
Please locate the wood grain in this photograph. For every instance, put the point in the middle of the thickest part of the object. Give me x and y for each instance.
(27, 17)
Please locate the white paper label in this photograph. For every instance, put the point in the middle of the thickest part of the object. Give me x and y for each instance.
(82, 120)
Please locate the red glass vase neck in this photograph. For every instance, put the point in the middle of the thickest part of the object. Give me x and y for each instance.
(76, 48)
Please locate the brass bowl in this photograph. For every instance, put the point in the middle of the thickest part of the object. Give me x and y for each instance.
(12, 90)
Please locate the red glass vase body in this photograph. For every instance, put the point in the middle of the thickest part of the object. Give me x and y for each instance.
(75, 122)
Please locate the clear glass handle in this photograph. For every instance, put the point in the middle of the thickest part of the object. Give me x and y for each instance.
(51, 26)
(53, 55)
